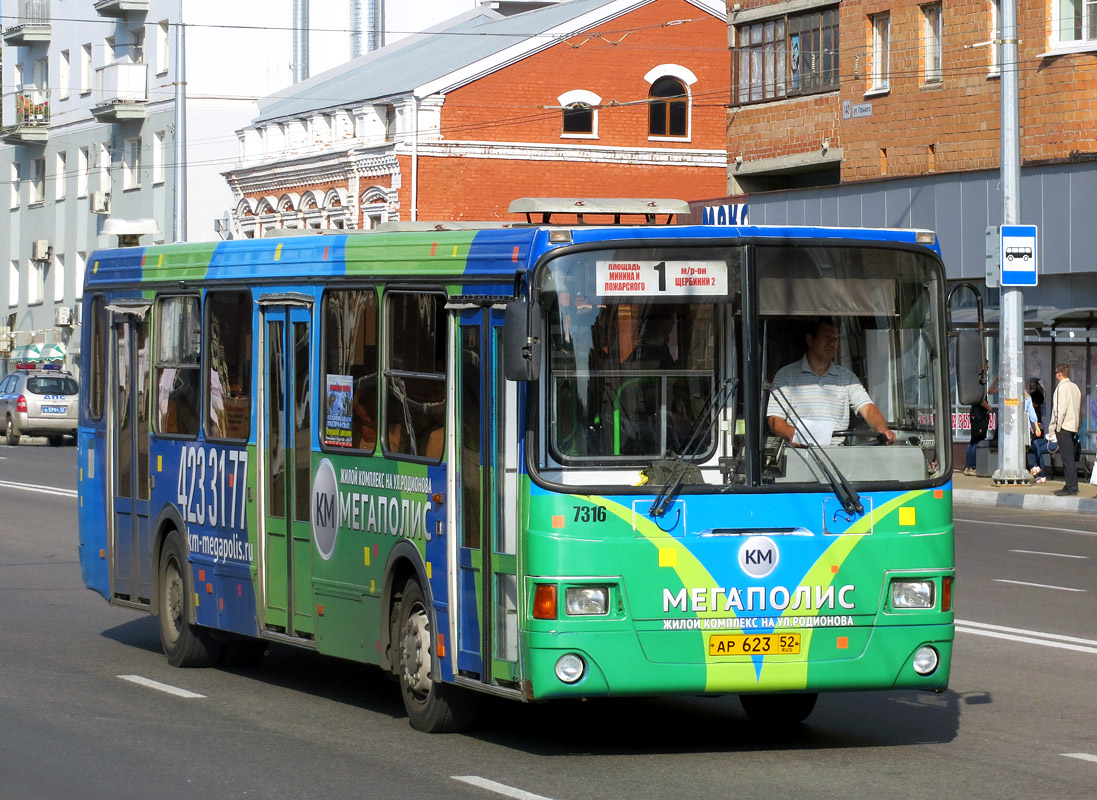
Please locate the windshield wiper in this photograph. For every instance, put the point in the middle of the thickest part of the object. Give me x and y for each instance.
(682, 464)
(851, 501)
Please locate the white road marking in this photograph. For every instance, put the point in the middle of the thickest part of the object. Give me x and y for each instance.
(1027, 636)
(499, 788)
(1029, 527)
(1083, 756)
(30, 487)
(161, 687)
(1042, 553)
(1038, 585)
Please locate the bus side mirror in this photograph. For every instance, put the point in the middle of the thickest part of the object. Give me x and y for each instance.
(971, 381)
(521, 345)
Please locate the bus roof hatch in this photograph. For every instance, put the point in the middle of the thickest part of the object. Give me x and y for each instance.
(615, 207)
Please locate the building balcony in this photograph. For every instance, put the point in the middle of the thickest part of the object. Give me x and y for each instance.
(121, 92)
(121, 8)
(32, 118)
(33, 24)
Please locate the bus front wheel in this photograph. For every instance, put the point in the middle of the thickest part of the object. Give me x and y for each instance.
(778, 710)
(185, 645)
(432, 706)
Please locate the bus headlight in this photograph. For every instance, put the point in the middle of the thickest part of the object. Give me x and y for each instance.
(570, 668)
(926, 660)
(585, 601)
(912, 594)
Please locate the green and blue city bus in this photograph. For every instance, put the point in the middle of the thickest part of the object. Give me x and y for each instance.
(529, 460)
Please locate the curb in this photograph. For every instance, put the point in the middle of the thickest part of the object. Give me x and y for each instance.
(1033, 502)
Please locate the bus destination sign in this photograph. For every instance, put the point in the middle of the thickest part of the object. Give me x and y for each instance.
(672, 278)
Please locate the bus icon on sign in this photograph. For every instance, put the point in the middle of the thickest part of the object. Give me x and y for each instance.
(1024, 253)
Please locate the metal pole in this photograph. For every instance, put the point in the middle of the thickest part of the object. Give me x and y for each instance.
(300, 40)
(1012, 419)
(179, 196)
(415, 162)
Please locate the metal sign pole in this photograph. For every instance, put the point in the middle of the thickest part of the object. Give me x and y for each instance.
(1012, 419)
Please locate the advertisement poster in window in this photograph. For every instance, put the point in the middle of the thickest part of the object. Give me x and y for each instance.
(337, 426)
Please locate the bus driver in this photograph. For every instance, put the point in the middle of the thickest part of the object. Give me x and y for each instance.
(821, 392)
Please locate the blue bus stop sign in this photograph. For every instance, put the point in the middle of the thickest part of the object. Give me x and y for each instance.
(1018, 253)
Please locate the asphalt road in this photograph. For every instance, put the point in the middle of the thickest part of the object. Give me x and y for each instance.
(1017, 722)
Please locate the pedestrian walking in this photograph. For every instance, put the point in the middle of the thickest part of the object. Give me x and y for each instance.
(1062, 429)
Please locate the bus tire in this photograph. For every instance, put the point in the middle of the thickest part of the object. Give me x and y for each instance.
(185, 645)
(432, 706)
(778, 710)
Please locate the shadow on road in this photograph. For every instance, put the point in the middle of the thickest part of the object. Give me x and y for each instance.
(618, 726)
(341, 681)
(654, 726)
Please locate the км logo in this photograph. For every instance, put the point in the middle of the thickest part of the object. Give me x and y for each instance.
(758, 556)
(325, 509)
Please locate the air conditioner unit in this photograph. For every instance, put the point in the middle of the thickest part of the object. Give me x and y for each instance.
(5, 339)
(100, 202)
(62, 315)
(40, 250)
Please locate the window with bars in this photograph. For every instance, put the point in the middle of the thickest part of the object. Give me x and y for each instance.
(786, 56)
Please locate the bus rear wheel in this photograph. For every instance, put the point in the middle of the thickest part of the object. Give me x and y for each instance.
(185, 645)
(778, 710)
(432, 706)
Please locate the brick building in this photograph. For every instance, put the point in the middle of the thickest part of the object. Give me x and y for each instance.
(887, 113)
(622, 98)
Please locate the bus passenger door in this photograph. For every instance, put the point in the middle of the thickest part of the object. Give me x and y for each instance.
(131, 555)
(285, 461)
(487, 579)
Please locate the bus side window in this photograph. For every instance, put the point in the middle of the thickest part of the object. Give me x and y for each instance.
(350, 363)
(228, 365)
(415, 374)
(177, 353)
(97, 361)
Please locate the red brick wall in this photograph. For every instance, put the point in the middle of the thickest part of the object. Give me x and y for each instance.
(920, 127)
(784, 127)
(481, 189)
(916, 128)
(611, 61)
(513, 105)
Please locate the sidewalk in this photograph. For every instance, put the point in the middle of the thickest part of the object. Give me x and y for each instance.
(968, 489)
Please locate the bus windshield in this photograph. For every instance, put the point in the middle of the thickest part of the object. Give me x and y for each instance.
(631, 371)
(639, 340)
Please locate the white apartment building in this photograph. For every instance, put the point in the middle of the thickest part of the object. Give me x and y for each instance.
(88, 126)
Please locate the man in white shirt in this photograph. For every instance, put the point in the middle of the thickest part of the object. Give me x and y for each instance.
(821, 392)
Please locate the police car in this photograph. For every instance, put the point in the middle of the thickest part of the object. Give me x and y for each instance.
(39, 402)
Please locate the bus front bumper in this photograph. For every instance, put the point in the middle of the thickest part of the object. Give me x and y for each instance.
(624, 663)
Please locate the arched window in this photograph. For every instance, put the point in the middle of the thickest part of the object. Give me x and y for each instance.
(375, 209)
(668, 112)
(580, 117)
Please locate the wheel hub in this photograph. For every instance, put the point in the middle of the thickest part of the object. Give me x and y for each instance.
(416, 655)
(174, 603)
